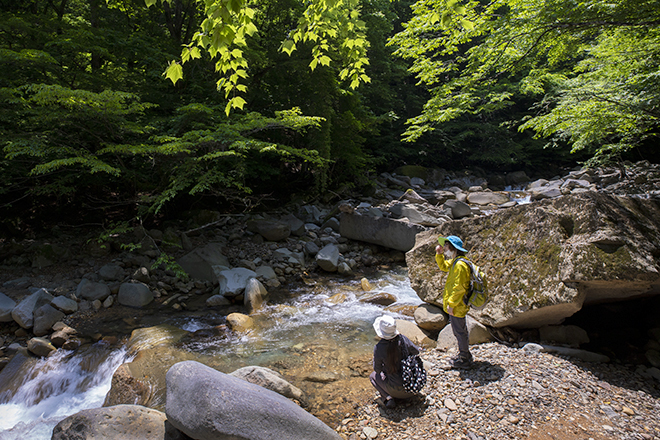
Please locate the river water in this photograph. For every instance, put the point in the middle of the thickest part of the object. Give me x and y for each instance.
(309, 332)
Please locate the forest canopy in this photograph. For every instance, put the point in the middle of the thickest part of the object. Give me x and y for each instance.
(134, 109)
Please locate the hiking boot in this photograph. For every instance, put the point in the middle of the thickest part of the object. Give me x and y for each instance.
(461, 362)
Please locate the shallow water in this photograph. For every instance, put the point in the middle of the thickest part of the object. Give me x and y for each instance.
(300, 336)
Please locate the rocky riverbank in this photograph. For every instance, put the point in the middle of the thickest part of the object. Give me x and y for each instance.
(516, 393)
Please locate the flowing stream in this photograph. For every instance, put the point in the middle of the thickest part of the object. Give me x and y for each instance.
(322, 327)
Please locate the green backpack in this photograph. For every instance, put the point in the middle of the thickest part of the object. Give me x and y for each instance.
(477, 296)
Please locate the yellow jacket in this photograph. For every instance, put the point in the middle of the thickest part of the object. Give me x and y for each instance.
(456, 286)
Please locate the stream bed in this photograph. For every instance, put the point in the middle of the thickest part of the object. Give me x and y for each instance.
(319, 336)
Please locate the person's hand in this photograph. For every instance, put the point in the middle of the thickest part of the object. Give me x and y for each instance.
(438, 249)
(450, 310)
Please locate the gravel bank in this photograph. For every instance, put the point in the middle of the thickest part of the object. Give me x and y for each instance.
(511, 393)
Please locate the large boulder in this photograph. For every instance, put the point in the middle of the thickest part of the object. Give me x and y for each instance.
(199, 262)
(206, 404)
(477, 334)
(394, 234)
(134, 295)
(23, 313)
(44, 319)
(545, 260)
(328, 258)
(121, 422)
(233, 281)
(271, 230)
(92, 291)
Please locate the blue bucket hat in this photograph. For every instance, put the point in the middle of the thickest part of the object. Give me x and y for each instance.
(454, 241)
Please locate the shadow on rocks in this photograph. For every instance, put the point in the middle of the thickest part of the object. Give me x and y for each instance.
(405, 409)
(623, 376)
(483, 372)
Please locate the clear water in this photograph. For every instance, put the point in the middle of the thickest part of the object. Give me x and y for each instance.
(54, 388)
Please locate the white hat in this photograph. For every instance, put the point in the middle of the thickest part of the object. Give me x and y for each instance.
(385, 327)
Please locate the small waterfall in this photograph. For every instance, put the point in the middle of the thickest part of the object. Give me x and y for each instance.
(36, 394)
(53, 388)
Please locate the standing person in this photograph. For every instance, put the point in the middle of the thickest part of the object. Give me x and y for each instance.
(453, 299)
(388, 352)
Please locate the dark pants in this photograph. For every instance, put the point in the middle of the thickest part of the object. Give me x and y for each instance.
(459, 327)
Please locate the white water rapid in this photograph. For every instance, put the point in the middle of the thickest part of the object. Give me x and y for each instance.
(34, 399)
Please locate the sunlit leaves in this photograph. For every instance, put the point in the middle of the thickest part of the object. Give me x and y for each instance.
(333, 25)
(592, 65)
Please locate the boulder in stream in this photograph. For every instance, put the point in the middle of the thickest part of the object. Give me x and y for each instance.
(206, 404)
(121, 422)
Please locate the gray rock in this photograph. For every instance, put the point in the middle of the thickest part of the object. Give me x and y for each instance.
(284, 254)
(269, 379)
(478, 334)
(142, 275)
(23, 313)
(516, 178)
(232, 282)
(266, 272)
(92, 291)
(44, 318)
(134, 295)
(390, 233)
(296, 225)
(111, 272)
(120, 422)
(311, 248)
(200, 262)
(64, 304)
(6, 306)
(488, 198)
(587, 356)
(328, 258)
(459, 209)
(271, 230)
(430, 317)
(207, 405)
(425, 217)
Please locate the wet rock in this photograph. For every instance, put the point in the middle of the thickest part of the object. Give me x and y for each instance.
(321, 377)
(366, 286)
(126, 389)
(337, 298)
(240, 323)
(379, 298)
(204, 404)
(40, 347)
(255, 295)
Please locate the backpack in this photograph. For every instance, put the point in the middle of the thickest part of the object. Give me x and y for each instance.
(477, 296)
(413, 373)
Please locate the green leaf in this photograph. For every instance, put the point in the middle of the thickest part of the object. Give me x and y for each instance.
(174, 72)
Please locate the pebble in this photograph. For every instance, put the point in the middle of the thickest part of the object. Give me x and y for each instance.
(510, 393)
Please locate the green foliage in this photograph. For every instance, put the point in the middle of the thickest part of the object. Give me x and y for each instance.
(573, 58)
(332, 27)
